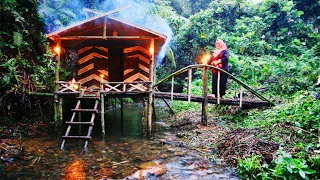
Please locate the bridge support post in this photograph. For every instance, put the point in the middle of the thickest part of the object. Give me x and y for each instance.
(204, 118)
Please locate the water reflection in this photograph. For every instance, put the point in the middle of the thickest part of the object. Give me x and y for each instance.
(76, 170)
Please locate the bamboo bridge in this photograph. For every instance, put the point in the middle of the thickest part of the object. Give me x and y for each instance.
(146, 89)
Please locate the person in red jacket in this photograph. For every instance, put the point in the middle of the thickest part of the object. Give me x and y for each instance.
(219, 58)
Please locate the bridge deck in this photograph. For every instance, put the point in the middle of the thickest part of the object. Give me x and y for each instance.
(212, 100)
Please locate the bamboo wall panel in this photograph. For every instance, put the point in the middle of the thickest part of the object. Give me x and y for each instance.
(92, 63)
(136, 64)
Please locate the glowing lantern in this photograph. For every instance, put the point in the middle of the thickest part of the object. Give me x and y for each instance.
(73, 84)
(57, 50)
(151, 50)
(205, 58)
(101, 75)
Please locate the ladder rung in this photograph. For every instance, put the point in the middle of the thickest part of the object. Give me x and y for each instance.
(76, 137)
(85, 110)
(80, 123)
(88, 97)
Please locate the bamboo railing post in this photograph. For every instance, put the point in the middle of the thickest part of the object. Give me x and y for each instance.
(189, 84)
(204, 120)
(241, 89)
(172, 87)
(218, 88)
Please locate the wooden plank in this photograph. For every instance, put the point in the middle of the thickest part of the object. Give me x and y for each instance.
(65, 38)
(80, 123)
(76, 137)
(85, 110)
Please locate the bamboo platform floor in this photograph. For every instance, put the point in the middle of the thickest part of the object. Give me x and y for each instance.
(224, 101)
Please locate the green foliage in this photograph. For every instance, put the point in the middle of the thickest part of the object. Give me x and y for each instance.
(179, 106)
(287, 167)
(303, 112)
(251, 168)
(283, 167)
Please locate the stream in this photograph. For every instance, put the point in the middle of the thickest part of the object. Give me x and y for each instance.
(125, 155)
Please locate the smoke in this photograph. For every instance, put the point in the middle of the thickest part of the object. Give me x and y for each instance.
(58, 14)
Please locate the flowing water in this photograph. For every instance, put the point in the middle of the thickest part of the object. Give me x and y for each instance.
(124, 155)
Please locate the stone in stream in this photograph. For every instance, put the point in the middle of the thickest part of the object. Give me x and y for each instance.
(149, 168)
(179, 153)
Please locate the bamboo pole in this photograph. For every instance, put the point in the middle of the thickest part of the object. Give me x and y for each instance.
(121, 113)
(204, 120)
(40, 94)
(189, 83)
(105, 28)
(150, 99)
(102, 115)
(172, 87)
(56, 98)
(241, 96)
(106, 37)
(218, 88)
(61, 110)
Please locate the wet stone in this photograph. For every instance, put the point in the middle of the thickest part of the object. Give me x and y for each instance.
(164, 156)
(179, 153)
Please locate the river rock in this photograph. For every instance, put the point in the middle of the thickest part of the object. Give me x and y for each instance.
(164, 156)
(179, 153)
(151, 168)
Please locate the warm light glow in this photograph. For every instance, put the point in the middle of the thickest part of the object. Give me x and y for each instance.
(57, 50)
(101, 75)
(205, 58)
(75, 171)
(73, 84)
(151, 50)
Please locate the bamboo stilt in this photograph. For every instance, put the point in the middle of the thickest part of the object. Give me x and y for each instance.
(80, 120)
(172, 87)
(189, 84)
(56, 98)
(240, 96)
(121, 114)
(204, 120)
(102, 115)
(218, 88)
(60, 109)
(152, 78)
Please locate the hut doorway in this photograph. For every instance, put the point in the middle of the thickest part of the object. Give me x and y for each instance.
(116, 57)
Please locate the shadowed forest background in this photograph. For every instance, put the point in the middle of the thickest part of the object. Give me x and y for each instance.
(274, 48)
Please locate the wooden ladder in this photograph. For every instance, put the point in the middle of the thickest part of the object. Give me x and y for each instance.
(76, 110)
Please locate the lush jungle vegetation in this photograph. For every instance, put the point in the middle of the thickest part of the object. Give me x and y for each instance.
(274, 47)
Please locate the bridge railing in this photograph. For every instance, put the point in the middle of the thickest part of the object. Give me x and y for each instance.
(68, 87)
(121, 87)
(205, 68)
